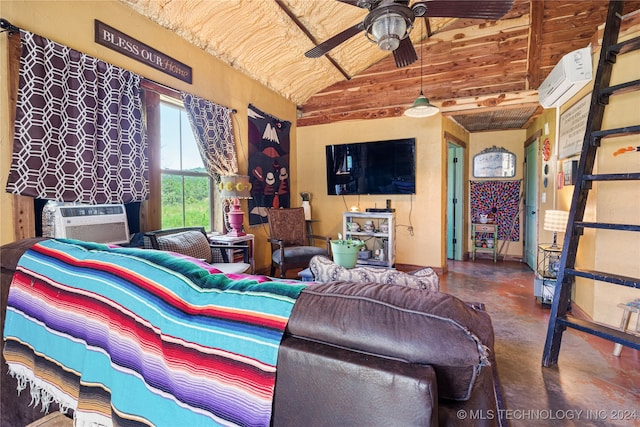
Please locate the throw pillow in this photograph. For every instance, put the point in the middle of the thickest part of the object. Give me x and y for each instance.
(427, 278)
(325, 270)
(191, 243)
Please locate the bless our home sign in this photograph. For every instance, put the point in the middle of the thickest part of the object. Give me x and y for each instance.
(113, 39)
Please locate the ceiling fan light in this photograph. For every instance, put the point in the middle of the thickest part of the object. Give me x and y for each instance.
(388, 30)
(421, 108)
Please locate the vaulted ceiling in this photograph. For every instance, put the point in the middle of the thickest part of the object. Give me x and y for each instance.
(484, 74)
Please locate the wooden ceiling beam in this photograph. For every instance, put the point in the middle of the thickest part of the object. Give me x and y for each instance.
(470, 105)
(490, 102)
(536, 16)
(307, 33)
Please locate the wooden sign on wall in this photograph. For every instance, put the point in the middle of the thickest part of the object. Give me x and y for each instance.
(116, 40)
(573, 124)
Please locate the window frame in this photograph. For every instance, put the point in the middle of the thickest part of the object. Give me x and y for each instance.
(151, 211)
(177, 103)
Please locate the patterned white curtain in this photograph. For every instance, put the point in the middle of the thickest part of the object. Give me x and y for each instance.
(211, 124)
(79, 134)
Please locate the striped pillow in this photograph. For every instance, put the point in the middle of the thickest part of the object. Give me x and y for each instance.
(190, 243)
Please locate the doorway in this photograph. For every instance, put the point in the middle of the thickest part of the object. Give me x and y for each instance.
(455, 201)
(531, 205)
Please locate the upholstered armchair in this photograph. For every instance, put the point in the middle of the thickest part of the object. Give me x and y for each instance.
(291, 246)
(193, 242)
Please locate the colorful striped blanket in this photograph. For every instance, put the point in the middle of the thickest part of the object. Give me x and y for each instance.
(137, 337)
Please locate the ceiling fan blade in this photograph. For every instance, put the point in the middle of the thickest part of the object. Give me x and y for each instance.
(334, 41)
(405, 54)
(490, 9)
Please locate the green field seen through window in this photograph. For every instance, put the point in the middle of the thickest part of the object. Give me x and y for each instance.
(196, 201)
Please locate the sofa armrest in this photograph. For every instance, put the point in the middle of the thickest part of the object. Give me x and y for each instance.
(321, 385)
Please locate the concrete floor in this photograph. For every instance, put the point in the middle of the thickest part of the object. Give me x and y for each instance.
(588, 387)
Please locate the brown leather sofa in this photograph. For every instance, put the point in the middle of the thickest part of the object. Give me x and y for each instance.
(358, 355)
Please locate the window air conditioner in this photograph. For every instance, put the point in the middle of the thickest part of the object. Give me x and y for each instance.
(570, 75)
(92, 223)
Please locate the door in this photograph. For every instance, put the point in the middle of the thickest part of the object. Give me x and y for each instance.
(531, 205)
(455, 199)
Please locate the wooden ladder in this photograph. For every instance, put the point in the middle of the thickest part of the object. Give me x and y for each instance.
(560, 317)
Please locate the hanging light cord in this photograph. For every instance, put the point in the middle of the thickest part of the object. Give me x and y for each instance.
(421, 55)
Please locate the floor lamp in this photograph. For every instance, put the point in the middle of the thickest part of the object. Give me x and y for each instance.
(235, 187)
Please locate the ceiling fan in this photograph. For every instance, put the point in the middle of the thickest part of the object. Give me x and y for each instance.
(389, 22)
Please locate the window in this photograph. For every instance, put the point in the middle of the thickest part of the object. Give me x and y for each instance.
(186, 186)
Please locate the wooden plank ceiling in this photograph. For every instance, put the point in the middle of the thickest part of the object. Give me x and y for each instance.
(483, 74)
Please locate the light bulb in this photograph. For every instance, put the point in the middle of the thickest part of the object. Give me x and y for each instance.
(388, 30)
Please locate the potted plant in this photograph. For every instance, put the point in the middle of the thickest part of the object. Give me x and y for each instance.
(345, 251)
(306, 199)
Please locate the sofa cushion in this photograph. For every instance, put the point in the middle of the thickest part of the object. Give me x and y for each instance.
(297, 254)
(191, 243)
(325, 270)
(400, 323)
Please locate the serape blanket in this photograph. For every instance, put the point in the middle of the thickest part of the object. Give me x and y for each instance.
(133, 337)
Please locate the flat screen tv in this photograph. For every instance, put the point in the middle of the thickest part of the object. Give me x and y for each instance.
(380, 167)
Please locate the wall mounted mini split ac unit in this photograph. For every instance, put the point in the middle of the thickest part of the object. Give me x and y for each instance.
(92, 223)
(570, 75)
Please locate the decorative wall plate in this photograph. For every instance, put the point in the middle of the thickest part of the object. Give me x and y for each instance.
(546, 150)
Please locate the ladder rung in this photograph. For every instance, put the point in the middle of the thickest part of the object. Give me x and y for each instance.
(612, 177)
(627, 130)
(626, 87)
(616, 279)
(600, 330)
(624, 47)
(605, 226)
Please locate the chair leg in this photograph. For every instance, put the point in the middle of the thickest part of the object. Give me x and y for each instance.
(283, 271)
(273, 270)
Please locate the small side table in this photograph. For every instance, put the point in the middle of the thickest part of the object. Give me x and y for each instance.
(632, 307)
(547, 272)
(478, 230)
(223, 239)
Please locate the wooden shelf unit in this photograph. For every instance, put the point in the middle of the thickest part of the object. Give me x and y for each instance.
(376, 240)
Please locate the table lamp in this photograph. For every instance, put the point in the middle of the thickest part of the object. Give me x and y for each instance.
(555, 221)
(235, 187)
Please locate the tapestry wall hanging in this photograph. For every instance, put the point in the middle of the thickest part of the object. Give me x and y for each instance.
(499, 199)
(268, 164)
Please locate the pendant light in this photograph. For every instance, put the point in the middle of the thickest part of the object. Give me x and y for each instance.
(421, 106)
